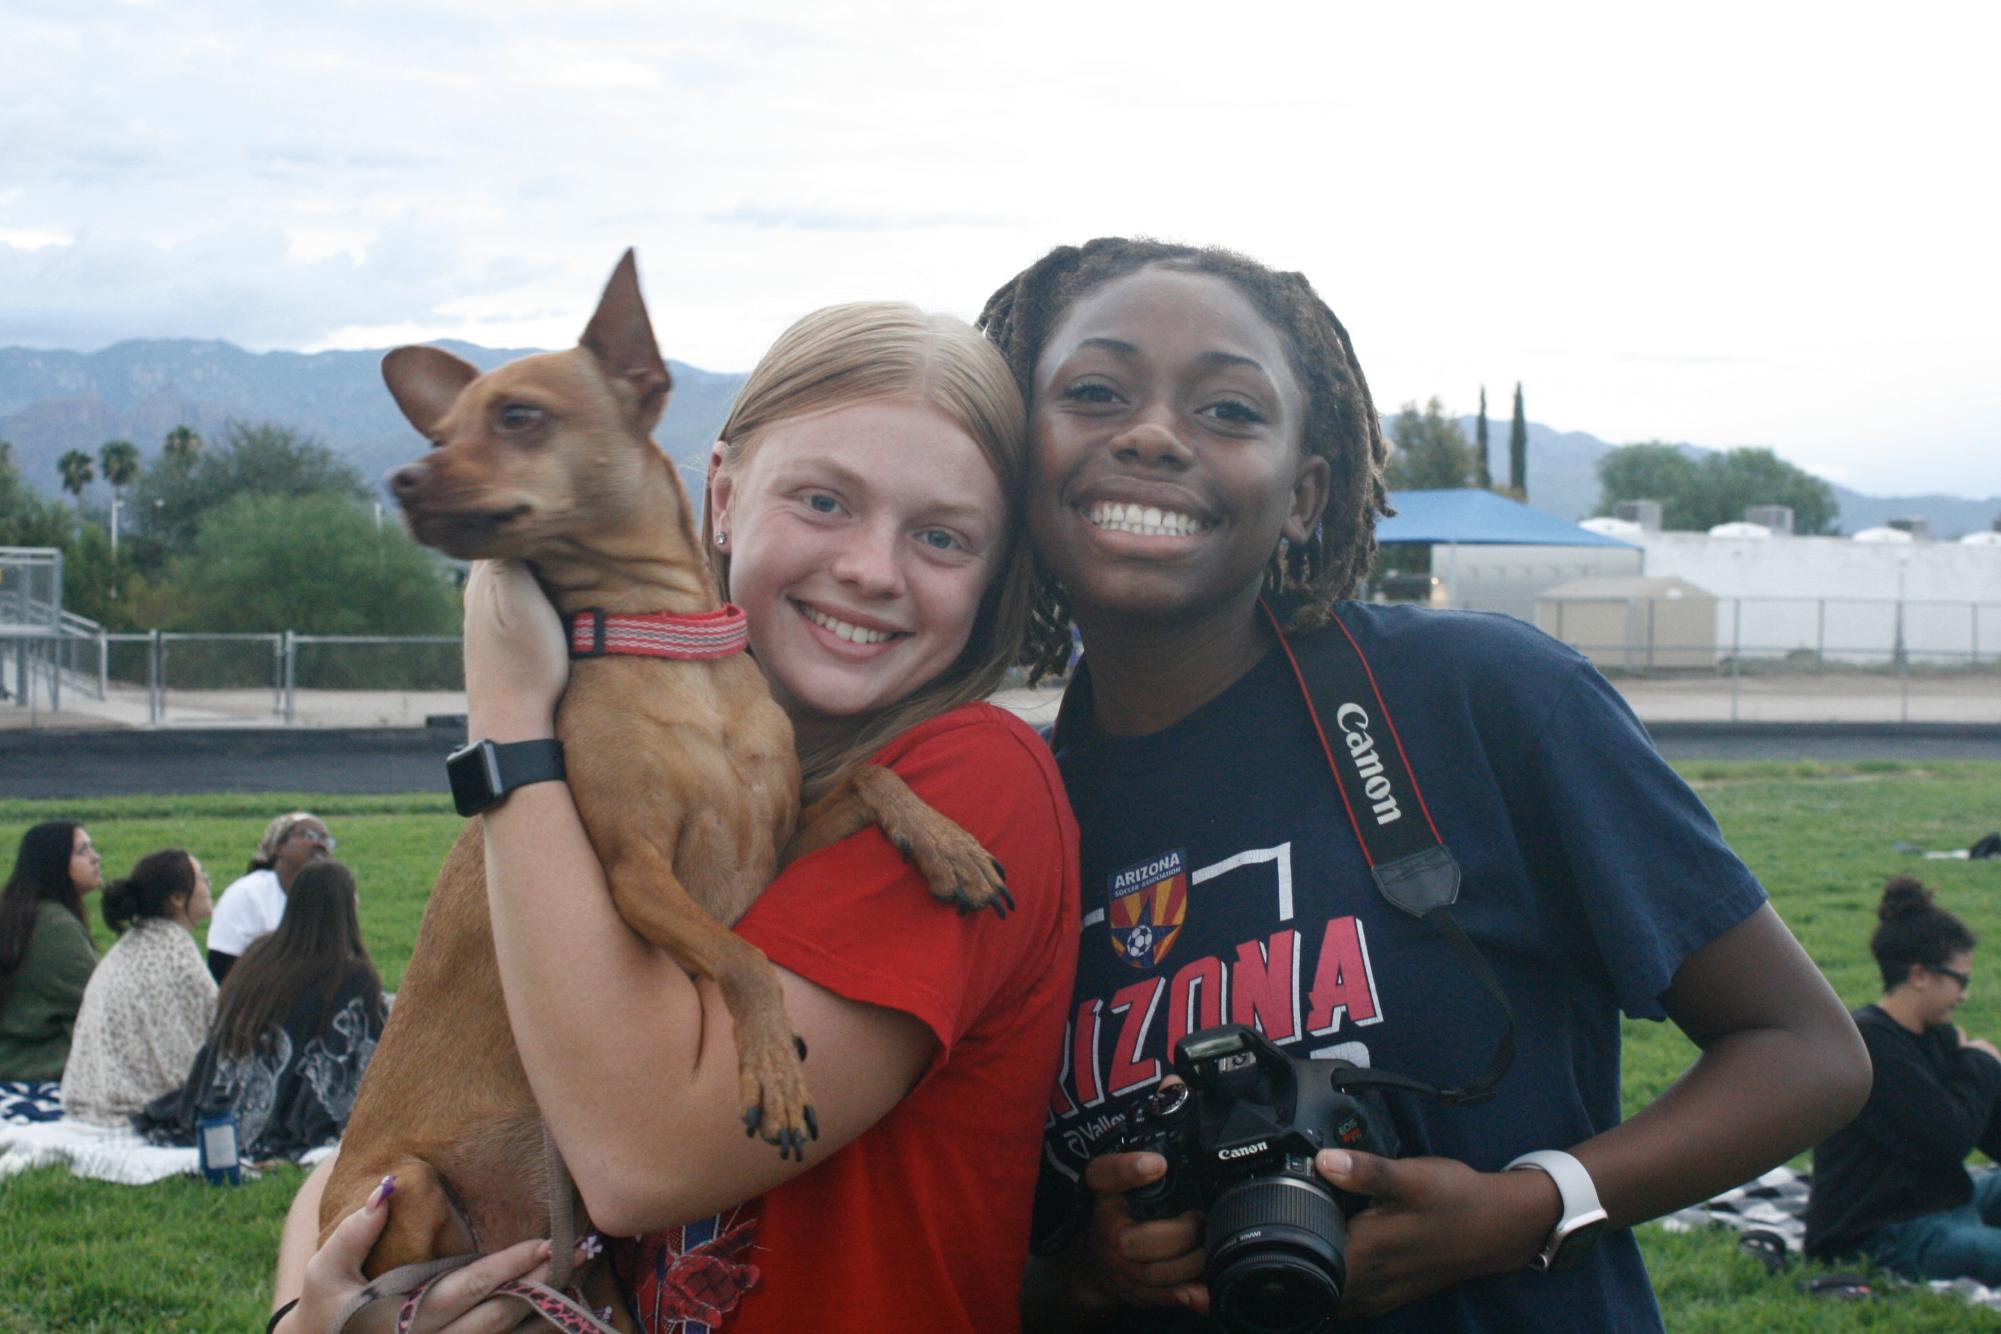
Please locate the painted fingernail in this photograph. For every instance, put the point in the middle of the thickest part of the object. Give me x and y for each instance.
(383, 1191)
(1336, 1162)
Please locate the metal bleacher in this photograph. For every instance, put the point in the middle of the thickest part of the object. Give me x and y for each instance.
(42, 647)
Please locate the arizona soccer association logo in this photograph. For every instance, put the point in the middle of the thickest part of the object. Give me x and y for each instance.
(1149, 904)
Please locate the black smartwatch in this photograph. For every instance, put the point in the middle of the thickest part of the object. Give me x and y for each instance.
(482, 773)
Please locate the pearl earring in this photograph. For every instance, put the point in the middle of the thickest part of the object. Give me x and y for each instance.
(722, 539)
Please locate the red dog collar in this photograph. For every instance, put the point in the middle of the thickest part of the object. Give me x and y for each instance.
(660, 634)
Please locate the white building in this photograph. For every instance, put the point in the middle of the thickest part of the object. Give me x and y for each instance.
(1840, 597)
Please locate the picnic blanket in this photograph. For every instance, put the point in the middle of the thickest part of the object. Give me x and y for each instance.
(33, 1133)
(1771, 1212)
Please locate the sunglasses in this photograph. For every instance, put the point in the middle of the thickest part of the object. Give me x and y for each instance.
(1965, 980)
(320, 837)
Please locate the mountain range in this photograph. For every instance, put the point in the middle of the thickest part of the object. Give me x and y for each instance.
(52, 402)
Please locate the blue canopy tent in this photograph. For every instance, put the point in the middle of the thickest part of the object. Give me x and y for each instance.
(1469, 518)
(1541, 550)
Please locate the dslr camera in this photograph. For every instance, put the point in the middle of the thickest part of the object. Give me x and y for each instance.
(1239, 1137)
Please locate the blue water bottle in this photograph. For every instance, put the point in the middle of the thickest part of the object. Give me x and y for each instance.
(215, 1142)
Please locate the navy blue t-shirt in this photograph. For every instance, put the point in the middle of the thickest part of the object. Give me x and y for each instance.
(1223, 883)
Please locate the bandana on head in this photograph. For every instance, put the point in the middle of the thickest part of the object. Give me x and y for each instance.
(277, 832)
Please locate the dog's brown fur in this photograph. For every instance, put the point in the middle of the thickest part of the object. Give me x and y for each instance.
(683, 772)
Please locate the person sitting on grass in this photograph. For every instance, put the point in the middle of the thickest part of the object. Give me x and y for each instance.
(1893, 1184)
(150, 1001)
(295, 1024)
(254, 903)
(46, 955)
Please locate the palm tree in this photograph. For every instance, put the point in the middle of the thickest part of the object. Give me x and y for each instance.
(75, 466)
(120, 460)
(183, 447)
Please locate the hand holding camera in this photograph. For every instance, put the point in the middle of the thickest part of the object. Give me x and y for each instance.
(1283, 1155)
(1240, 1138)
(1128, 1261)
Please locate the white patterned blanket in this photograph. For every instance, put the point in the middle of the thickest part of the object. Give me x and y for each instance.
(1773, 1210)
(33, 1133)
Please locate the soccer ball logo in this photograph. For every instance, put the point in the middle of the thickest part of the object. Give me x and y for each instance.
(1145, 909)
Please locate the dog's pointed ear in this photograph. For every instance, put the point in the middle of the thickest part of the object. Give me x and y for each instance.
(425, 382)
(621, 338)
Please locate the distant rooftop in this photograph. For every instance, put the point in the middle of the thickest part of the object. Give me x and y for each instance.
(1469, 517)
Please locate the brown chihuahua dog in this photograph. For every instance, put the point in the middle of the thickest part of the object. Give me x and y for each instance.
(683, 772)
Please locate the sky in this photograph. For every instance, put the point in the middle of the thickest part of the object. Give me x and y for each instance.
(1726, 224)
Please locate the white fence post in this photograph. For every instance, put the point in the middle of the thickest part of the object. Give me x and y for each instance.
(1736, 651)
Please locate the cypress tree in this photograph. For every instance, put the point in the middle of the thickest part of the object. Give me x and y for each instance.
(1483, 476)
(1518, 449)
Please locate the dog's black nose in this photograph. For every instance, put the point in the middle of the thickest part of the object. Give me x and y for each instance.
(406, 480)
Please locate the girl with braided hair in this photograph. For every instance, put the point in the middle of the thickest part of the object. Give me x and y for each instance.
(1206, 475)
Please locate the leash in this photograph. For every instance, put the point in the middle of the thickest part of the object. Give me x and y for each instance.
(697, 636)
(547, 1299)
(413, 1283)
(562, 1212)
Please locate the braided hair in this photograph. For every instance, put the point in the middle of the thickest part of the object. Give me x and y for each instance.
(1341, 423)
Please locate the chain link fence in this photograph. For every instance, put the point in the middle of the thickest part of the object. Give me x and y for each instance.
(1690, 658)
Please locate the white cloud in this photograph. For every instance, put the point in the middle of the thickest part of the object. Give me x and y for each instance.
(35, 238)
(1727, 224)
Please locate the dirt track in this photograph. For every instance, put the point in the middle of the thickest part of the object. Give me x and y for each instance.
(68, 764)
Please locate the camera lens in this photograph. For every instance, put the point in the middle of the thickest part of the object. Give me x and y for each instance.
(1278, 1257)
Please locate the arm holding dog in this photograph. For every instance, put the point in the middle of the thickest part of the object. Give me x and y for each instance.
(665, 1072)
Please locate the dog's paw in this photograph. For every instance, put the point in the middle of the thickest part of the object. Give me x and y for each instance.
(775, 1098)
(958, 870)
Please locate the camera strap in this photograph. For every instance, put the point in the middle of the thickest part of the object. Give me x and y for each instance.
(1410, 863)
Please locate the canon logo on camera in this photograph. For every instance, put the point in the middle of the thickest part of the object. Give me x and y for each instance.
(1242, 1150)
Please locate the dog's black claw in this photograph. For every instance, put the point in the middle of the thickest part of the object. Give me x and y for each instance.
(751, 1119)
(1002, 896)
(1000, 872)
(812, 1123)
(799, 1045)
(902, 842)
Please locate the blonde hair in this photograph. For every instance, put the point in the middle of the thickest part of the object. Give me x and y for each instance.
(867, 351)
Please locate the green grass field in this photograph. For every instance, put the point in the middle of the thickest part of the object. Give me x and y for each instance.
(182, 1256)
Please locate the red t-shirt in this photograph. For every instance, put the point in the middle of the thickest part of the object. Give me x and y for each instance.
(922, 1222)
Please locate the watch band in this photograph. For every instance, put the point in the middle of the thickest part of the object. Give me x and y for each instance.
(482, 773)
(1583, 1217)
